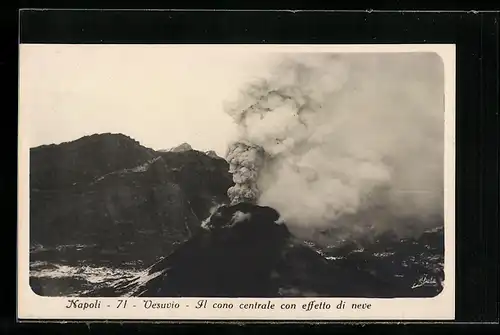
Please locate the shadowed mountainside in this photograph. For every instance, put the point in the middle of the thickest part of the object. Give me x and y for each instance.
(245, 253)
(129, 201)
(75, 163)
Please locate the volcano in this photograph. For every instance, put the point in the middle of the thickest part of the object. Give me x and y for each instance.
(109, 217)
(233, 256)
(245, 250)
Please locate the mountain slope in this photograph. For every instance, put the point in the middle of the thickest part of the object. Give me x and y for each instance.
(245, 253)
(204, 179)
(125, 200)
(69, 164)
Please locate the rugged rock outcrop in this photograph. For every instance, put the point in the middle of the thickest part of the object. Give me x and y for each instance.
(246, 252)
(203, 179)
(126, 200)
(76, 163)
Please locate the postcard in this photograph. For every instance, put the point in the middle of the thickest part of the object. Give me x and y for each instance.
(236, 182)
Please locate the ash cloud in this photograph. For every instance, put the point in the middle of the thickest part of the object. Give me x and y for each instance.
(346, 140)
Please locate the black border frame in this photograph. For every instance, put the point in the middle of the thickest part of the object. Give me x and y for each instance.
(474, 33)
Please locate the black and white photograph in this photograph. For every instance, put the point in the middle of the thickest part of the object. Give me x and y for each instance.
(214, 171)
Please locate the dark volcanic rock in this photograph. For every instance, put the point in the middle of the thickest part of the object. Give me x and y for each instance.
(145, 208)
(231, 258)
(69, 164)
(245, 253)
(205, 179)
(128, 201)
(410, 267)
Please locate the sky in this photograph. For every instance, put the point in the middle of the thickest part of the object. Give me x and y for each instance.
(161, 96)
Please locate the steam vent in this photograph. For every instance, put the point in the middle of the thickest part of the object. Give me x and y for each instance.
(234, 256)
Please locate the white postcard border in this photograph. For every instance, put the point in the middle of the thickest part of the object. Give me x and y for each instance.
(442, 307)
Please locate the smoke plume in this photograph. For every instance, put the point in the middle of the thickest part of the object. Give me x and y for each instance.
(245, 161)
(332, 140)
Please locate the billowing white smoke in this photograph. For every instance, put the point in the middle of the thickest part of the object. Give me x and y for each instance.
(326, 137)
(245, 161)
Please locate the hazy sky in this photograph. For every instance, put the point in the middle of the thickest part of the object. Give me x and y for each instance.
(159, 95)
